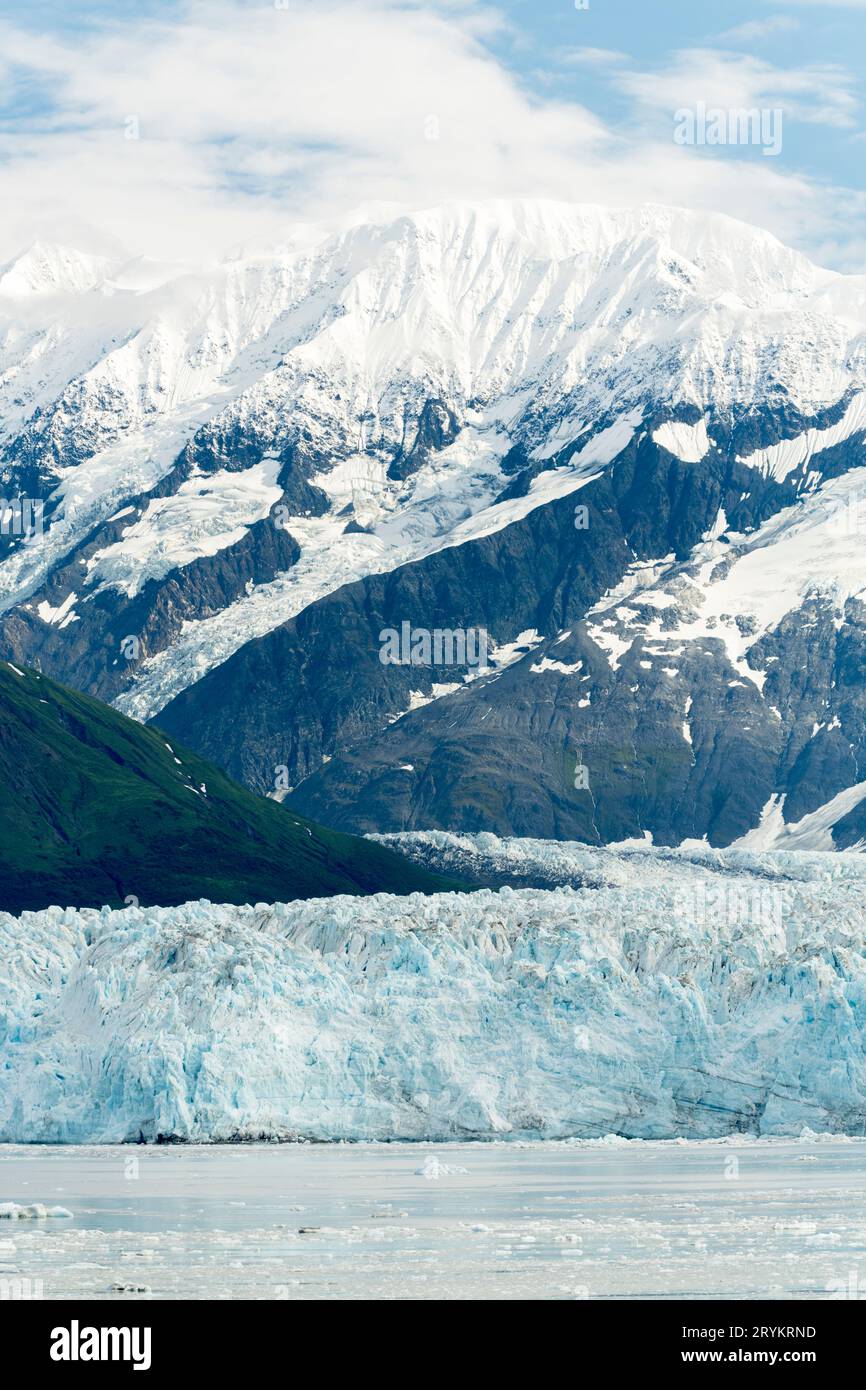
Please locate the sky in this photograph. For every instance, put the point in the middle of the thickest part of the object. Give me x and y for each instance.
(191, 129)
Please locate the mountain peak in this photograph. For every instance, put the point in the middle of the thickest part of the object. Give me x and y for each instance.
(48, 268)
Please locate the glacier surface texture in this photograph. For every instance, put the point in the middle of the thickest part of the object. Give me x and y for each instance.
(687, 993)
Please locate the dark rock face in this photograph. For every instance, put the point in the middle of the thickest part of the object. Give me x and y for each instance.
(89, 652)
(302, 705)
(92, 653)
(503, 754)
(671, 736)
(683, 745)
(438, 426)
(815, 677)
(506, 755)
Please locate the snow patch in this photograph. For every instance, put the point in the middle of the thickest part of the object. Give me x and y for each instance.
(548, 664)
(778, 460)
(58, 617)
(813, 832)
(206, 514)
(687, 442)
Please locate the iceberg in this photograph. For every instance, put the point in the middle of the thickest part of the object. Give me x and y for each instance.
(36, 1211)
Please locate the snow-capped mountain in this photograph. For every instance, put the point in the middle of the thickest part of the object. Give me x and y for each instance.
(251, 471)
(692, 995)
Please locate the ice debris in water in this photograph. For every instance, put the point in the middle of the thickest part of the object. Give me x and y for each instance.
(37, 1211)
(434, 1168)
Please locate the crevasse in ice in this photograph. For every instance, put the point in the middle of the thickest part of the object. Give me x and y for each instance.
(694, 993)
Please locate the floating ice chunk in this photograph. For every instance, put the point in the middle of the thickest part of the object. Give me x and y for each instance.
(36, 1211)
(433, 1168)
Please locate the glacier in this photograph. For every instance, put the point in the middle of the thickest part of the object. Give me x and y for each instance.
(679, 993)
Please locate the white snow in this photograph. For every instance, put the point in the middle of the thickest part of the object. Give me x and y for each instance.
(439, 690)
(614, 646)
(60, 616)
(602, 448)
(687, 442)
(548, 664)
(45, 269)
(778, 460)
(506, 653)
(206, 514)
(461, 478)
(805, 551)
(812, 832)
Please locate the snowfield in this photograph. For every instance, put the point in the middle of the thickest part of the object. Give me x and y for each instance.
(678, 993)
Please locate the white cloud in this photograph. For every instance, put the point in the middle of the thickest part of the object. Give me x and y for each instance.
(819, 94)
(756, 29)
(251, 118)
(591, 57)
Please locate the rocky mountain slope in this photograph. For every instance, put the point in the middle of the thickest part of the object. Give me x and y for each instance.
(97, 809)
(628, 445)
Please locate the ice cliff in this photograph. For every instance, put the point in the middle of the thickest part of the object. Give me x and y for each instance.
(677, 993)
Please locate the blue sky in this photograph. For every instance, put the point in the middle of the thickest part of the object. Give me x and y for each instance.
(182, 129)
(807, 37)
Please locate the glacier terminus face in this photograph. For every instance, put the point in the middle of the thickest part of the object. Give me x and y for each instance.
(695, 994)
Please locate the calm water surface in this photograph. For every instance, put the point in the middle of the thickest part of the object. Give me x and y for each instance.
(547, 1220)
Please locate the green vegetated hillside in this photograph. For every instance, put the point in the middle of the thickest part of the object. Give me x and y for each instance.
(96, 808)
